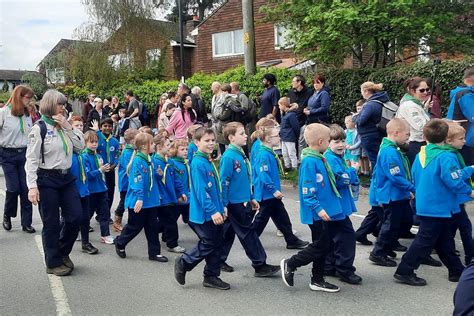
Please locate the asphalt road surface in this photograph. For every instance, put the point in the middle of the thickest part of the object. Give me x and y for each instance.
(105, 284)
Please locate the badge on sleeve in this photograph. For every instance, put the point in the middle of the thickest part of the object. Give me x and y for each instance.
(160, 171)
(237, 166)
(319, 178)
(394, 170)
(112, 148)
(305, 190)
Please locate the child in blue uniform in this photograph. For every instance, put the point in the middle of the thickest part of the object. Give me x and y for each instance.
(192, 148)
(319, 204)
(142, 201)
(206, 216)
(464, 295)
(393, 190)
(82, 185)
(436, 169)
(123, 162)
(237, 196)
(171, 190)
(95, 170)
(178, 156)
(340, 259)
(267, 171)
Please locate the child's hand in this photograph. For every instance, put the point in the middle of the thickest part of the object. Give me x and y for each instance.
(472, 195)
(105, 168)
(255, 205)
(412, 196)
(278, 195)
(138, 206)
(183, 198)
(217, 218)
(95, 125)
(324, 216)
(226, 213)
(306, 111)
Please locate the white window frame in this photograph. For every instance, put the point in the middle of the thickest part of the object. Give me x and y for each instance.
(153, 55)
(56, 75)
(233, 44)
(280, 32)
(120, 60)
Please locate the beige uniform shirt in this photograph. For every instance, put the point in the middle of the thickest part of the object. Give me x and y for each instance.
(54, 155)
(10, 132)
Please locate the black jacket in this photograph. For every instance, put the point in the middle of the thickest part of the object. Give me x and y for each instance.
(300, 97)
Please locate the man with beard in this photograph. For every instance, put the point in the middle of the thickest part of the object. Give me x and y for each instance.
(270, 97)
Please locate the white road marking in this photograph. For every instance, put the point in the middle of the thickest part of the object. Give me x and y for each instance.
(56, 285)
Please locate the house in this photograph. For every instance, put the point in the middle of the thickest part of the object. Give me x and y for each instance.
(220, 43)
(12, 78)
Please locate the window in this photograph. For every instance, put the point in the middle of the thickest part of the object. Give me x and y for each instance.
(120, 60)
(228, 43)
(282, 40)
(55, 75)
(152, 55)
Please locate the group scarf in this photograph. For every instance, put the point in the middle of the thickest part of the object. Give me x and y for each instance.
(308, 152)
(107, 147)
(406, 163)
(81, 168)
(270, 150)
(147, 159)
(22, 120)
(96, 159)
(165, 171)
(344, 163)
(186, 164)
(199, 153)
(247, 163)
(50, 121)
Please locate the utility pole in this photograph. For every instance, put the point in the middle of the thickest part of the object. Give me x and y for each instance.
(249, 37)
(181, 40)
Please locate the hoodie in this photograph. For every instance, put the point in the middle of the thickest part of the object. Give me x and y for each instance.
(465, 111)
(370, 115)
(318, 105)
(290, 127)
(301, 98)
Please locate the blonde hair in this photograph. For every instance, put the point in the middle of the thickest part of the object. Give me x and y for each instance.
(455, 129)
(141, 139)
(397, 125)
(130, 135)
(90, 136)
(314, 132)
(372, 87)
(176, 144)
(160, 139)
(146, 129)
(263, 122)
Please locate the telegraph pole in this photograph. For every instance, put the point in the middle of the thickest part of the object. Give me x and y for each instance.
(181, 40)
(249, 37)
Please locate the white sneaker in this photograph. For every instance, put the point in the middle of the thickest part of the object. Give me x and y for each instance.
(109, 240)
(280, 234)
(177, 249)
(78, 237)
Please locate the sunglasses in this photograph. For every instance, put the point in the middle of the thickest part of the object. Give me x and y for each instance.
(424, 90)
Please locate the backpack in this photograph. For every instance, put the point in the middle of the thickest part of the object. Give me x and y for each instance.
(143, 116)
(389, 109)
(43, 131)
(251, 113)
(457, 112)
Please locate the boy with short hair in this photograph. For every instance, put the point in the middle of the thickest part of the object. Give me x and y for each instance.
(436, 169)
(393, 190)
(319, 204)
(206, 216)
(289, 133)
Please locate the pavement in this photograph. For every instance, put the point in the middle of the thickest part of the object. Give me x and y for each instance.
(105, 284)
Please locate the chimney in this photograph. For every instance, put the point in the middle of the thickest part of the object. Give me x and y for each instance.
(191, 25)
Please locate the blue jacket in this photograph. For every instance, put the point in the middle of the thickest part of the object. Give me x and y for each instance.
(318, 105)
(290, 127)
(94, 175)
(108, 149)
(192, 148)
(82, 184)
(391, 179)
(123, 162)
(205, 193)
(235, 178)
(267, 176)
(466, 107)
(345, 177)
(370, 115)
(442, 174)
(181, 171)
(139, 187)
(464, 295)
(171, 189)
(315, 192)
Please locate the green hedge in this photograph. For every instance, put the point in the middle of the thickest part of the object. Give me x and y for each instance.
(344, 83)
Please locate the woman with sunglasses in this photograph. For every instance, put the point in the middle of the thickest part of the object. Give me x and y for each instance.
(414, 108)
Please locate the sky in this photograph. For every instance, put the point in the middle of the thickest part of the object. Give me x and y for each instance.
(29, 29)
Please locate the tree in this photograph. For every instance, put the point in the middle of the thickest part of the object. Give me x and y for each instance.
(192, 8)
(36, 81)
(392, 30)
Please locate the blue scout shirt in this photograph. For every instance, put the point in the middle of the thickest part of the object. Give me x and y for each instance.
(96, 178)
(143, 186)
(267, 178)
(192, 148)
(236, 176)
(182, 172)
(108, 148)
(169, 187)
(205, 190)
(123, 162)
(78, 170)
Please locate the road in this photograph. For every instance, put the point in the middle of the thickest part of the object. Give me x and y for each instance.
(106, 284)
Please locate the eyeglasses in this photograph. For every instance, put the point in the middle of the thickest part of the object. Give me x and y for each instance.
(424, 90)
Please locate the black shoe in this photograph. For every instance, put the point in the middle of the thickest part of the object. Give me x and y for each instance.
(179, 272)
(411, 279)
(159, 258)
(392, 254)
(215, 283)
(120, 251)
(331, 273)
(382, 261)
(467, 260)
(28, 229)
(62, 270)
(323, 286)
(351, 278)
(91, 229)
(454, 278)
(299, 244)
(68, 262)
(266, 270)
(364, 241)
(409, 235)
(7, 222)
(88, 248)
(287, 274)
(430, 261)
(400, 248)
(226, 268)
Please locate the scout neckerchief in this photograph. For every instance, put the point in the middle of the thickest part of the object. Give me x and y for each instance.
(460, 159)
(429, 152)
(409, 97)
(21, 118)
(341, 158)
(81, 168)
(185, 163)
(50, 121)
(150, 171)
(247, 162)
(308, 152)
(165, 160)
(96, 160)
(406, 163)
(107, 146)
(280, 166)
(214, 169)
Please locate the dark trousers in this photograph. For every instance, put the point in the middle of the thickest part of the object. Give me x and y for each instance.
(274, 209)
(371, 223)
(145, 219)
(467, 153)
(433, 233)
(315, 252)
(167, 216)
(98, 204)
(222, 148)
(209, 248)
(110, 181)
(85, 220)
(342, 247)
(121, 206)
(183, 210)
(462, 222)
(395, 213)
(58, 191)
(371, 144)
(239, 223)
(413, 150)
(13, 165)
